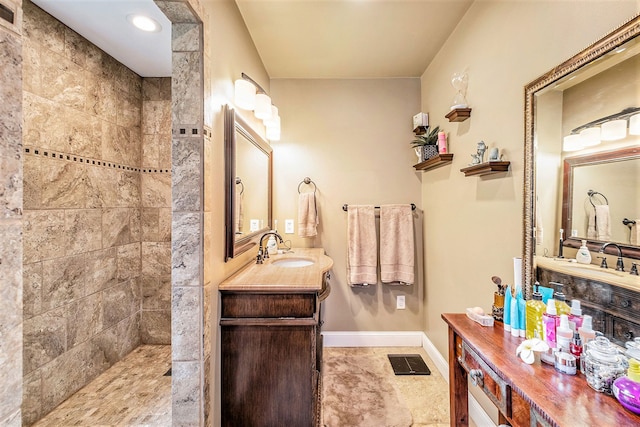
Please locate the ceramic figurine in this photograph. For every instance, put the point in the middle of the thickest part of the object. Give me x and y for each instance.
(476, 160)
(482, 147)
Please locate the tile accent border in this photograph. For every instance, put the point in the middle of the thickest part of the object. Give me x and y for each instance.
(35, 151)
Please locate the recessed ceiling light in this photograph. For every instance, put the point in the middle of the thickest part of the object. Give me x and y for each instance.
(145, 23)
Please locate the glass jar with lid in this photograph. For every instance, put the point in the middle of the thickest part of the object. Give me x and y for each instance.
(603, 364)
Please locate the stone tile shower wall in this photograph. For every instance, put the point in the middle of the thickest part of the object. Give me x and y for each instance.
(155, 320)
(11, 216)
(97, 201)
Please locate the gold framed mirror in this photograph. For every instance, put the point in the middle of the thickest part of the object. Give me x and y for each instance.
(548, 120)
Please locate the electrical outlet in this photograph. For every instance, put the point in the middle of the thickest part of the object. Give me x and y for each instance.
(400, 302)
(288, 226)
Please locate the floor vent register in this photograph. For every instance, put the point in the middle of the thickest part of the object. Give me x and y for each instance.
(408, 364)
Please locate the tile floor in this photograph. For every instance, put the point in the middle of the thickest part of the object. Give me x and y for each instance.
(135, 392)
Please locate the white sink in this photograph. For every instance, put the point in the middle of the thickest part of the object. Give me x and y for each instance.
(292, 262)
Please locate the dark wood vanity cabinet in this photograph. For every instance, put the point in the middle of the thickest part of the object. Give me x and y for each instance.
(271, 359)
(614, 308)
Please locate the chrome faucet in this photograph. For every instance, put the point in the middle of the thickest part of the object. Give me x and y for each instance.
(619, 264)
(262, 253)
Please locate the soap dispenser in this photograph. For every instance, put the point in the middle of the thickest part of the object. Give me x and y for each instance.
(535, 310)
(272, 245)
(583, 256)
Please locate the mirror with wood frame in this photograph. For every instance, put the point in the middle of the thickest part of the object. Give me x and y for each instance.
(248, 170)
(597, 85)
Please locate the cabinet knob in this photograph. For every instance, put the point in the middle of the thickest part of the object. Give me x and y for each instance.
(477, 377)
(628, 335)
(625, 303)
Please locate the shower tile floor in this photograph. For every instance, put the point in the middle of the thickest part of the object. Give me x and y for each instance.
(136, 392)
(133, 392)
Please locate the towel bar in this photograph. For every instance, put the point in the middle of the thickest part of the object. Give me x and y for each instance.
(345, 207)
(592, 193)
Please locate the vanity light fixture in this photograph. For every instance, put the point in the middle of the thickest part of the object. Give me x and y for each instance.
(590, 136)
(144, 23)
(572, 142)
(249, 95)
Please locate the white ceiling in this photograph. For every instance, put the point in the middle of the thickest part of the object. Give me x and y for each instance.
(105, 24)
(294, 38)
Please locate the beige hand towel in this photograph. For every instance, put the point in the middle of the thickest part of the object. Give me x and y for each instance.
(635, 233)
(591, 224)
(239, 219)
(307, 215)
(603, 223)
(396, 244)
(362, 261)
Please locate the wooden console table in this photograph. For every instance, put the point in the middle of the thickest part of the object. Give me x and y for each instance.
(525, 395)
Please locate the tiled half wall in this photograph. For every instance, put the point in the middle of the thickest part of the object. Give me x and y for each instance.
(97, 211)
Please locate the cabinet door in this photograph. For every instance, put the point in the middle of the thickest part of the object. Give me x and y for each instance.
(268, 375)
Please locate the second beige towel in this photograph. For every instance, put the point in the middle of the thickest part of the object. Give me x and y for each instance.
(396, 244)
(362, 256)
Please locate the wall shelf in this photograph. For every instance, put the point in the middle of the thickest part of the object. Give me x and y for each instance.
(486, 168)
(434, 162)
(459, 114)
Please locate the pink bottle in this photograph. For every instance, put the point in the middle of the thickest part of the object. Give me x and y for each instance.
(549, 323)
(442, 142)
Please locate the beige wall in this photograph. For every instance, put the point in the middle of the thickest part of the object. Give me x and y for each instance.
(351, 137)
(228, 52)
(474, 226)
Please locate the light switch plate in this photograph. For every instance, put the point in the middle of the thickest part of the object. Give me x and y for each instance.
(400, 302)
(288, 226)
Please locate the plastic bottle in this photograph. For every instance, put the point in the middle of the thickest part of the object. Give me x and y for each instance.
(564, 334)
(575, 315)
(627, 389)
(583, 256)
(507, 309)
(442, 142)
(535, 309)
(549, 323)
(515, 319)
(272, 245)
(586, 330)
(561, 305)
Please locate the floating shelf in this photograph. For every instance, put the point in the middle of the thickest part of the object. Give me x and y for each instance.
(459, 114)
(434, 162)
(486, 168)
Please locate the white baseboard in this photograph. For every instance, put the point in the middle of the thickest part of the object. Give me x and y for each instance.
(405, 339)
(372, 339)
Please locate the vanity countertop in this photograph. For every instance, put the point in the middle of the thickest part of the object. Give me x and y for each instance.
(590, 271)
(269, 277)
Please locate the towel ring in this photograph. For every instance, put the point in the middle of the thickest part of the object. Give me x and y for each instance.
(239, 181)
(592, 193)
(307, 181)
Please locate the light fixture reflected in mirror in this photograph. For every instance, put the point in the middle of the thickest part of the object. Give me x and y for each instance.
(610, 128)
(614, 130)
(249, 95)
(634, 125)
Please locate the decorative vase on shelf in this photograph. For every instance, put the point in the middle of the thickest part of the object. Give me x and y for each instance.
(426, 145)
(429, 151)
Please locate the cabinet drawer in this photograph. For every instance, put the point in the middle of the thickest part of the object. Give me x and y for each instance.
(625, 303)
(257, 305)
(624, 330)
(492, 385)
